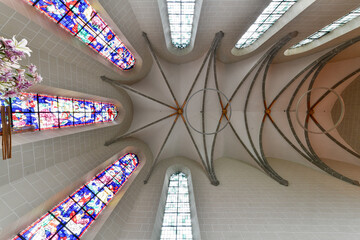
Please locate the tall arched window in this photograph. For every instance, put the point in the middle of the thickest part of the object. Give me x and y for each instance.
(81, 20)
(177, 217)
(73, 216)
(39, 112)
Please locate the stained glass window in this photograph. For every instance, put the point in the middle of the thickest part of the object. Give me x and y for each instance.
(329, 28)
(74, 215)
(40, 112)
(181, 17)
(267, 18)
(177, 217)
(80, 19)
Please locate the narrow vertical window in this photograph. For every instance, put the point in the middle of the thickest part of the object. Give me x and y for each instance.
(73, 216)
(181, 17)
(177, 217)
(275, 10)
(81, 20)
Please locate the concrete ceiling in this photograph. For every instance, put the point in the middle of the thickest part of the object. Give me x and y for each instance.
(233, 18)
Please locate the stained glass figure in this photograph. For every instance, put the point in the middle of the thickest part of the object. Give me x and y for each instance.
(73, 216)
(177, 216)
(80, 19)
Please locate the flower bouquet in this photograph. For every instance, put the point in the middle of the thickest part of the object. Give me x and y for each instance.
(14, 80)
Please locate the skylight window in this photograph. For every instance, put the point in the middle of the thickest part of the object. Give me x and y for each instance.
(329, 28)
(181, 17)
(81, 20)
(267, 18)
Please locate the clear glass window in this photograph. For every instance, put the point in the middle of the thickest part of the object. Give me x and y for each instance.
(177, 216)
(267, 18)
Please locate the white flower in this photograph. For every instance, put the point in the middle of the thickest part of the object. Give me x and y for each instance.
(21, 46)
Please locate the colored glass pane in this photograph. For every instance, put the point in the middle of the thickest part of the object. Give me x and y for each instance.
(82, 196)
(114, 186)
(55, 9)
(89, 118)
(98, 117)
(97, 106)
(81, 20)
(79, 223)
(65, 104)
(64, 233)
(94, 207)
(44, 228)
(47, 103)
(25, 120)
(66, 119)
(113, 170)
(73, 216)
(26, 104)
(105, 195)
(79, 118)
(95, 185)
(65, 210)
(48, 120)
(89, 106)
(105, 177)
(78, 105)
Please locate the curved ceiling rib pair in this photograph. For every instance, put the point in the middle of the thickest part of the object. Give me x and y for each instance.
(252, 142)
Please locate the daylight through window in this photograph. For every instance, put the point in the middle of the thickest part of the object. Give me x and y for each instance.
(40, 112)
(74, 215)
(80, 19)
(177, 216)
(267, 18)
(329, 28)
(181, 17)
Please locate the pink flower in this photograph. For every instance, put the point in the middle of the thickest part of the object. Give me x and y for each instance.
(38, 78)
(32, 69)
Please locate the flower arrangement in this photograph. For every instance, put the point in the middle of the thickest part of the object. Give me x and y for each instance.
(14, 77)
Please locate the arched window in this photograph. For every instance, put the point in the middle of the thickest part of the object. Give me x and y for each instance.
(37, 112)
(329, 28)
(181, 17)
(177, 217)
(81, 20)
(275, 10)
(74, 215)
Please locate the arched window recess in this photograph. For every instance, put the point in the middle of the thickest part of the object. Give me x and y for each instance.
(177, 216)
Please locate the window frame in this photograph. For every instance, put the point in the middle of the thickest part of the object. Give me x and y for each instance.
(160, 212)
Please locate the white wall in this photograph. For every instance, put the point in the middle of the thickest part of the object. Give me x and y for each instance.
(249, 205)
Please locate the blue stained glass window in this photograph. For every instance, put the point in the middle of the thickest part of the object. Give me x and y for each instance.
(40, 112)
(74, 215)
(44, 228)
(80, 223)
(82, 196)
(95, 185)
(64, 233)
(65, 210)
(94, 207)
(105, 195)
(81, 20)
